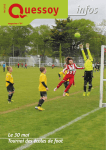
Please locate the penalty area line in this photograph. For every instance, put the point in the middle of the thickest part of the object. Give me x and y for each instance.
(58, 129)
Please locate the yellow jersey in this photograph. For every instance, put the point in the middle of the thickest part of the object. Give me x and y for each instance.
(9, 78)
(42, 78)
(88, 62)
(63, 74)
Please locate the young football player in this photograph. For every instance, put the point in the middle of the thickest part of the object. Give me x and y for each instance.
(4, 66)
(65, 83)
(52, 66)
(18, 65)
(88, 74)
(42, 88)
(22, 65)
(71, 70)
(9, 84)
(26, 65)
(98, 66)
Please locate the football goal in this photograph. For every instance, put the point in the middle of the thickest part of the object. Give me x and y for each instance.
(13, 61)
(30, 61)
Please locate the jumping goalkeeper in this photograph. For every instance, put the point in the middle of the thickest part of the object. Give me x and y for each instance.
(88, 74)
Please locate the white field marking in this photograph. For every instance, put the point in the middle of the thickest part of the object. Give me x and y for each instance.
(58, 129)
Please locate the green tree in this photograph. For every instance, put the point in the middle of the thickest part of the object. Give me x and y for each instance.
(5, 41)
(64, 32)
(41, 41)
(21, 38)
(58, 36)
(14, 39)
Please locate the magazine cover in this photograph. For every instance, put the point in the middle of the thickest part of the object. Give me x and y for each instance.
(52, 75)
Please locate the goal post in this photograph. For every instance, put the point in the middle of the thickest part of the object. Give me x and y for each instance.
(39, 60)
(101, 104)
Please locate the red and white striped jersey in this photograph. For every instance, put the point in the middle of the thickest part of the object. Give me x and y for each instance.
(71, 69)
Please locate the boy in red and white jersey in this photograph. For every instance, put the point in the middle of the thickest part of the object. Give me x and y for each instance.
(71, 70)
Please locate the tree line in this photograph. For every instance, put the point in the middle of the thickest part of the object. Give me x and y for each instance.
(43, 40)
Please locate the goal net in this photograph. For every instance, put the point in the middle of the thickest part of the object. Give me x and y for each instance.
(13, 61)
(102, 102)
(30, 61)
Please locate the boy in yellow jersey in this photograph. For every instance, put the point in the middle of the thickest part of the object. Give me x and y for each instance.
(88, 74)
(9, 84)
(42, 88)
(65, 83)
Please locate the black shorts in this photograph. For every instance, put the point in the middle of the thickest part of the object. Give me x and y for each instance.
(10, 88)
(88, 75)
(43, 94)
(66, 83)
(96, 67)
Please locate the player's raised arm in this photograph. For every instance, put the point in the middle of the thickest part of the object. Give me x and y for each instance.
(89, 53)
(83, 53)
(78, 67)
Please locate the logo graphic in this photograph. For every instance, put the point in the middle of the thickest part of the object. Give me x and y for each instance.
(21, 11)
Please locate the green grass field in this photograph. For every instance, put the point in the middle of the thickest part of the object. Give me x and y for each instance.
(21, 117)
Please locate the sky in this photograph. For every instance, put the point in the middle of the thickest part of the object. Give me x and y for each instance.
(94, 10)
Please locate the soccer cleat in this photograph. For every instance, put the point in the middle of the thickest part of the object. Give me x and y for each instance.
(64, 93)
(36, 107)
(12, 100)
(9, 102)
(67, 94)
(40, 108)
(55, 89)
(88, 93)
(84, 94)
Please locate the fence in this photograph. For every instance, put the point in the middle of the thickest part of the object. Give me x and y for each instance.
(37, 61)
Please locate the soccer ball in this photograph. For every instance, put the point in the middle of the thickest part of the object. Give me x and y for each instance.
(77, 34)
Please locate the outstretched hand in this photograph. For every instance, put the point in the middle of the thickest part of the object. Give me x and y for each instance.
(87, 45)
(47, 89)
(81, 46)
